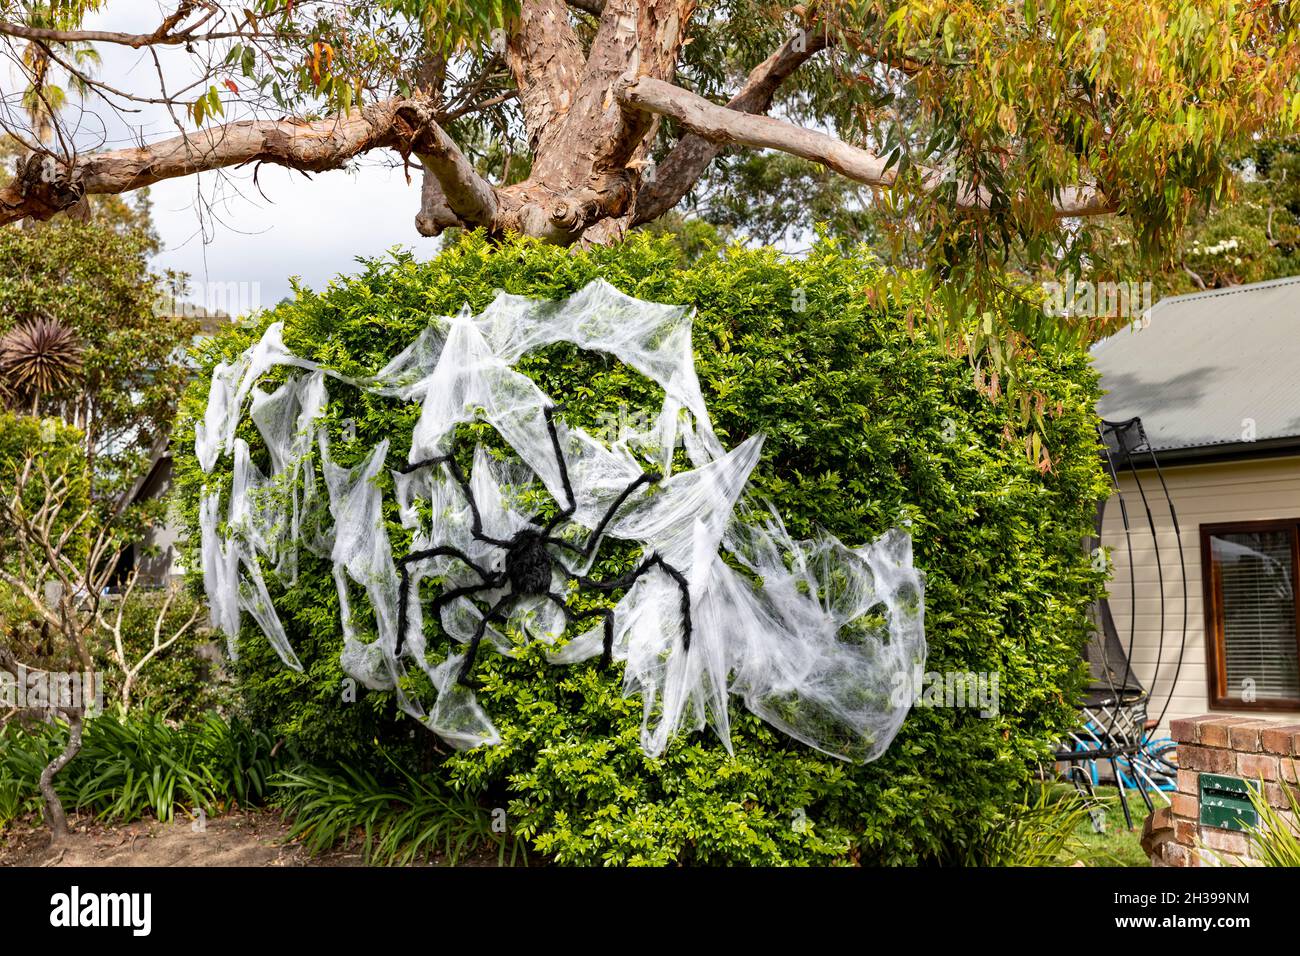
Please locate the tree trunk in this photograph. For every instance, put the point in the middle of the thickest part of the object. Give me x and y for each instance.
(55, 817)
(128, 687)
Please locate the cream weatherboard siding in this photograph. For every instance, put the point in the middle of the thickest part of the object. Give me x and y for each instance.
(1202, 494)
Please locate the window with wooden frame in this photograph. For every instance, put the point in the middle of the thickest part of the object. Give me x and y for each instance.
(1251, 573)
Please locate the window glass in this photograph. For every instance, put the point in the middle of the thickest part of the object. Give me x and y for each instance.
(1257, 612)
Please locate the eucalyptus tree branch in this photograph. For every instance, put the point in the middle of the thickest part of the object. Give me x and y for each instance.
(682, 168)
(43, 186)
(721, 125)
(160, 37)
(469, 197)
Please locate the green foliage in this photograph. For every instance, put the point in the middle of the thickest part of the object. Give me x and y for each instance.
(1035, 98)
(185, 681)
(414, 820)
(1042, 831)
(94, 278)
(26, 442)
(56, 445)
(868, 424)
(137, 766)
(305, 55)
(775, 197)
(1275, 841)
(693, 237)
(46, 500)
(16, 799)
(1250, 234)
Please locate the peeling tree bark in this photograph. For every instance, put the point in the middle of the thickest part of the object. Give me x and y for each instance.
(546, 61)
(581, 170)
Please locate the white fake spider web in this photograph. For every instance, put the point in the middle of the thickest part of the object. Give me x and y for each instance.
(817, 638)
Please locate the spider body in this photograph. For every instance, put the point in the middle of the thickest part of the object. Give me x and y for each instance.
(530, 561)
(529, 564)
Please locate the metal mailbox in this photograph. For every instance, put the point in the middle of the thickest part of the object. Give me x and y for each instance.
(1225, 802)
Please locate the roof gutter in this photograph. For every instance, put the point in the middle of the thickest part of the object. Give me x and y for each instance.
(1225, 452)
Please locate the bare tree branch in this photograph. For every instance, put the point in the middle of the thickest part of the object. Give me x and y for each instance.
(163, 36)
(45, 185)
(722, 125)
(682, 168)
(463, 191)
(131, 672)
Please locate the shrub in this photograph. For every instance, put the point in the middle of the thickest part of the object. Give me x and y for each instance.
(59, 449)
(130, 767)
(415, 819)
(867, 424)
(56, 446)
(182, 683)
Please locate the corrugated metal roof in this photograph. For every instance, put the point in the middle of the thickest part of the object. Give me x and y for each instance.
(1207, 365)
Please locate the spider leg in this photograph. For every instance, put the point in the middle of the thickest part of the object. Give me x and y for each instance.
(559, 602)
(567, 510)
(471, 652)
(448, 551)
(587, 550)
(627, 580)
(607, 644)
(404, 586)
(476, 518)
(468, 590)
(571, 616)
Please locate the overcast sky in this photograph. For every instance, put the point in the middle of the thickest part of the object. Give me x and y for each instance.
(308, 228)
(311, 229)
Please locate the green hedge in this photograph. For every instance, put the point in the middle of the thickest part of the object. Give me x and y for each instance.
(866, 422)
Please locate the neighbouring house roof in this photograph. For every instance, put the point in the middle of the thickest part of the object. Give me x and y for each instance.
(1206, 368)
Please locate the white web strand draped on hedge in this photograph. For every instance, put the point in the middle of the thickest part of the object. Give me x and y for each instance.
(819, 639)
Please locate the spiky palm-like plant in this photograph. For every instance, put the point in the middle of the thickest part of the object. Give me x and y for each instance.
(38, 358)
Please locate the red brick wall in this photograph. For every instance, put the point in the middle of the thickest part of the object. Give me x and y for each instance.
(1239, 747)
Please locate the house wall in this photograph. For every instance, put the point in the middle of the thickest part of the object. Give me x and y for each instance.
(1202, 494)
(159, 569)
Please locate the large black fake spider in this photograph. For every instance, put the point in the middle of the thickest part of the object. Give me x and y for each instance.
(530, 559)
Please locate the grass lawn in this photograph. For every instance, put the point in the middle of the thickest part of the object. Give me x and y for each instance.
(1116, 845)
